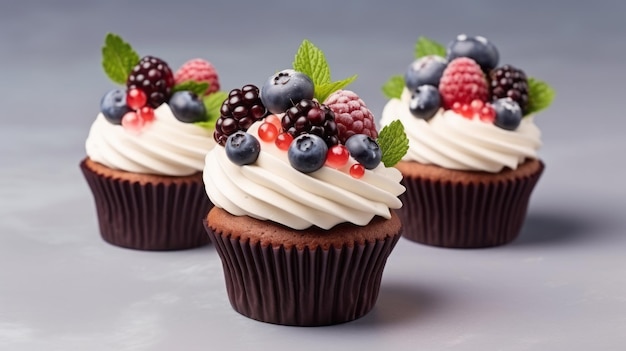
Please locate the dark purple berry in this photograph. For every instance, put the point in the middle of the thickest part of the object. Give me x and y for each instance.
(307, 153)
(285, 89)
(187, 107)
(113, 106)
(242, 108)
(508, 113)
(477, 48)
(425, 70)
(364, 150)
(508, 81)
(154, 77)
(242, 148)
(309, 116)
(425, 102)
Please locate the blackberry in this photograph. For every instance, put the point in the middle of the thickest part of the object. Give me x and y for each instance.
(309, 116)
(508, 81)
(242, 108)
(154, 77)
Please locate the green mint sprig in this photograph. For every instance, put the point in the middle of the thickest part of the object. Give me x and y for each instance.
(212, 104)
(425, 47)
(393, 87)
(118, 58)
(198, 88)
(540, 96)
(311, 61)
(393, 143)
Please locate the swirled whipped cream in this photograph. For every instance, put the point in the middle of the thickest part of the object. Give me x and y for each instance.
(452, 141)
(270, 189)
(164, 147)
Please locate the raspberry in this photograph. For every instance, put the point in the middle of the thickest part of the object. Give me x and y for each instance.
(242, 108)
(351, 115)
(508, 81)
(309, 116)
(198, 70)
(462, 81)
(154, 77)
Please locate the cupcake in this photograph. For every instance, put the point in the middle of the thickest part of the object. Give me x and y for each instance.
(472, 162)
(146, 149)
(304, 196)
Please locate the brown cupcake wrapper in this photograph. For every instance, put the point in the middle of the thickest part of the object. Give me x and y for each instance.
(308, 287)
(471, 215)
(151, 216)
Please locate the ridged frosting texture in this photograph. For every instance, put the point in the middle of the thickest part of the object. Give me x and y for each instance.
(164, 147)
(452, 141)
(270, 189)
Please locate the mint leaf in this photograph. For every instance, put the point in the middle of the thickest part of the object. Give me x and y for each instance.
(393, 87)
(425, 47)
(540, 95)
(212, 103)
(393, 143)
(311, 61)
(198, 88)
(323, 91)
(118, 58)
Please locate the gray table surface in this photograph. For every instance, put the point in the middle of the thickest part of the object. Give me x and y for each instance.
(560, 286)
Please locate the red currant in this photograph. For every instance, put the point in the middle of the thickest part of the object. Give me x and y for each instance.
(488, 114)
(132, 122)
(136, 99)
(357, 170)
(466, 111)
(337, 156)
(146, 113)
(273, 119)
(268, 132)
(283, 140)
(477, 105)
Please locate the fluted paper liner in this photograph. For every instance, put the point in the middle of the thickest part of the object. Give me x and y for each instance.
(150, 216)
(455, 214)
(302, 287)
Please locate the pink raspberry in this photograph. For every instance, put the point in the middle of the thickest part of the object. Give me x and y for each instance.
(463, 81)
(198, 70)
(351, 115)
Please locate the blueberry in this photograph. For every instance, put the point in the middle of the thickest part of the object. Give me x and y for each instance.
(477, 48)
(242, 148)
(113, 106)
(285, 89)
(187, 107)
(425, 102)
(508, 113)
(307, 153)
(364, 150)
(425, 70)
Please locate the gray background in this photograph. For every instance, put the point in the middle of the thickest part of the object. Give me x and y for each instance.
(560, 286)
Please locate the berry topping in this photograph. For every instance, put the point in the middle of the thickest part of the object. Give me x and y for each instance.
(351, 115)
(477, 108)
(133, 122)
(478, 48)
(508, 114)
(154, 77)
(136, 99)
(425, 102)
(364, 150)
(242, 108)
(147, 114)
(357, 171)
(268, 132)
(283, 141)
(285, 89)
(187, 107)
(242, 148)
(462, 81)
(508, 81)
(113, 106)
(275, 120)
(307, 153)
(198, 70)
(337, 156)
(425, 70)
(308, 116)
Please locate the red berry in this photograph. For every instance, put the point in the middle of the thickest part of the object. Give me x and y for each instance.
(146, 113)
(487, 114)
(275, 120)
(351, 115)
(268, 132)
(357, 170)
(466, 111)
(477, 105)
(462, 81)
(283, 140)
(198, 70)
(337, 156)
(132, 122)
(136, 99)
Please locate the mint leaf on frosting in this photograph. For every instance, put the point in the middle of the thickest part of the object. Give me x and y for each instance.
(425, 47)
(540, 95)
(311, 61)
(197, 88)
(393, 143)
(212, 104)
(393, 87)
(118, 58)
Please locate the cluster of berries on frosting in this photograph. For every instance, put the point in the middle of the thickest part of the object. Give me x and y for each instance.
(191, 92)
(293, 119)
(465, 77)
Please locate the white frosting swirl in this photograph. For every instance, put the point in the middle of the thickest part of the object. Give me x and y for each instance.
(452, 141)
(164, 147)
(270, 189)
